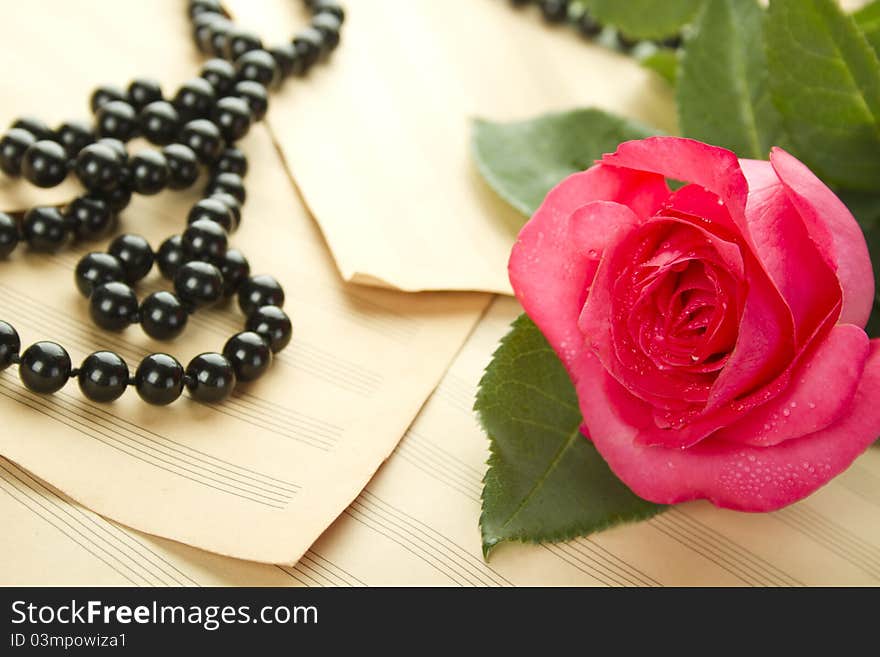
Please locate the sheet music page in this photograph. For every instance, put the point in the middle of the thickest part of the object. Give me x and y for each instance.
(416, 524)
(398, 101)
(262, 475)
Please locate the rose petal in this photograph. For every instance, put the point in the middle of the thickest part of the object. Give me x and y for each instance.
(832, 227)
(716, 169)
(731, 476)
(605, 315)
(783, 245)
(765, 344)
(697, 201)
(556, 255)
(805, 406)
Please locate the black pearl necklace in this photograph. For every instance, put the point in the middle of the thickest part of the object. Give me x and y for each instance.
(557, 12)
(197, 127)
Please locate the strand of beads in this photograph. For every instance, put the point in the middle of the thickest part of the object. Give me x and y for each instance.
(45, 367)
(197, 127)
(192, 128)
(579, 16)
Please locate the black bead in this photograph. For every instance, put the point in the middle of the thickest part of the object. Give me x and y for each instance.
(45, 164)
(163, 316)
(674, 42)
(239, 41)
(249, 354)
(99, 167)
(90, 217)
(117, 198)
(198, 283)
(103, 376)
(554, 11)
(259, 66)
(204, 138)
(233, 116)
(204, 239)
(624, 42)
(235, 268)
(34, 126)
(116, 119)
(272, 324)
(45, 367)
(210, 378)
(148, 172)
(44, 229)
(211, 209)
(328, 7)
(232, 204)
(113, 306)
(170, 256)
(220, 74)
(183, 166)
(328, 25)
(195, 99)
(74, 136)
(228, 183)
(218, 31)
(159, 122)
(105, 94)
(232, 160)
(95, 269)
(10, 345)
(134, 254)
(285, 58)
(142, 92)
(588, 26)
(117, 146)
(8, 234)
(309, 44)
(159, 379)
(255, 95)
(201, 7)
(12, 149)
(202, 30)
(258, 291)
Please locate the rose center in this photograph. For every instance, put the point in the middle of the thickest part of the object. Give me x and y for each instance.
(680, 304)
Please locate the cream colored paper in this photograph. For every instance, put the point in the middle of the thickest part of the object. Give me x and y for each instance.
(416, 524)
(391, 117)
(261, 476)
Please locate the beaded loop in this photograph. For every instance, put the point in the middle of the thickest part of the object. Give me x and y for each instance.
(196, 127)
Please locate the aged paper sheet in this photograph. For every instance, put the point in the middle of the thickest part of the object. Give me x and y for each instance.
(259, 477)
(393, 114)
(416, 524)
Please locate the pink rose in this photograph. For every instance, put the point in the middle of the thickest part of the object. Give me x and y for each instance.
(715, 333)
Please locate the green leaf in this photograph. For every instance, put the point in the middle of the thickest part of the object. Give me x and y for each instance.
(825, 81)
(664, 62)
(644, 19)
(723, 95)
(523, 161)
(546, 481)
(868, 20)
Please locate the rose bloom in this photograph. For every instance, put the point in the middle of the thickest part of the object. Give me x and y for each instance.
(715, 334)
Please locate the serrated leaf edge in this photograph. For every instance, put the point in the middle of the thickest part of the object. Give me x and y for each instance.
(490, 543)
